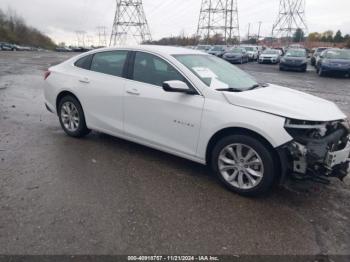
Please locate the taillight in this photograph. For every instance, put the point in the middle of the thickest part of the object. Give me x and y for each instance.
(47, 74)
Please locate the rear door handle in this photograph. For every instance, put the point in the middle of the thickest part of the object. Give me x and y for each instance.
(84, 80)
(133, 92)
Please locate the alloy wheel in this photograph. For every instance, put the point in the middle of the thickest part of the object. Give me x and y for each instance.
(70, 116)
(241, 166)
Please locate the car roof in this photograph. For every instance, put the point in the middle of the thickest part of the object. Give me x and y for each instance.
(162, 50)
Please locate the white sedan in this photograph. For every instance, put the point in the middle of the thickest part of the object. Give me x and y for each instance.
(197, 106)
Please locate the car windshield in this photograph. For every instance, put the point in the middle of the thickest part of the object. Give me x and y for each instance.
(338, 54)
(202, 47)
(217, 73)
(217, 48)
(236, 50)
(271, 52)
(249, 48)
(320, 50)
(296, 53)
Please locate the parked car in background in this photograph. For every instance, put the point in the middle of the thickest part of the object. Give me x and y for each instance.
(201, 108)
(315, 55)
(8, 47)
(63, 49)
(334, 61)
(204, 48)
(252, 51)
(294, 59)
(272, 56)
(236, 55)
(218, 50)
(281, 50)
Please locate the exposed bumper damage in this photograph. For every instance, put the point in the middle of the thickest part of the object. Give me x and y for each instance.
(320, 150)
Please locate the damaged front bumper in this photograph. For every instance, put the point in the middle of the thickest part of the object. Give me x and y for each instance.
(319, 151)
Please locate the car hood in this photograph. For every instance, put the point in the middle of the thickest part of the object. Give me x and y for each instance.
(298, 58)
(339, 61)
(232, 54)
(286, 102)
(268, 55)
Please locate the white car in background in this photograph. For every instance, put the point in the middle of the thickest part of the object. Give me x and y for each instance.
(197, 106)
(272, 56)
(252, 51)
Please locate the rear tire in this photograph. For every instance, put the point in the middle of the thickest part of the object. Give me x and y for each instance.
(72, 118)
(250, 170)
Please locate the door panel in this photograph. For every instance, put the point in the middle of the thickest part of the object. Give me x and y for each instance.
(102, 91)
(171, 120)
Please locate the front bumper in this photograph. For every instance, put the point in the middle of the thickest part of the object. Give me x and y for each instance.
(336, 69)
(268, 60)
(293, 66)
(316, 158)
(233, 59)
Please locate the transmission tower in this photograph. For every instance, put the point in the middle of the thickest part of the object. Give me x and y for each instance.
(130, 23)
(219, 17)
(81, 38)
(291, 16)
(102, 35)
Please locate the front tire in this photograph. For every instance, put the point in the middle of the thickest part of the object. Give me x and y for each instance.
(244, 165)
(72, 118)
(320, 71)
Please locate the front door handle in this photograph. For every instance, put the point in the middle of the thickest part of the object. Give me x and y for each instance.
(84, 80)
(133, 92)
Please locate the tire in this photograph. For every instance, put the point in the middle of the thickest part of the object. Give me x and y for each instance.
(262, 164)
(73, 124)
(320, 72)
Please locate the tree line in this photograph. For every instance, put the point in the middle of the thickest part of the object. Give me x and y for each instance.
(13, 29)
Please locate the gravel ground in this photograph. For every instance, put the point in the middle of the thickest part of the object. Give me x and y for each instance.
(103, 195)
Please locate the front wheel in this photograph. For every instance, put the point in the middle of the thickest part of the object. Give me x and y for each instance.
(71, 116)
(244, 165)
(320, 71)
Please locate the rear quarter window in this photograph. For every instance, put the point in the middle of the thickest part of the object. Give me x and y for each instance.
(84, 62)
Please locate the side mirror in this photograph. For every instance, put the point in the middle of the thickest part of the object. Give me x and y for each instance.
(175, 86)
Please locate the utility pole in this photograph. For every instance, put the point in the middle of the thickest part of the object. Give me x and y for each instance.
(130, 23)
(291, 16)
(248, 31)
(80, 38)
(218, 18)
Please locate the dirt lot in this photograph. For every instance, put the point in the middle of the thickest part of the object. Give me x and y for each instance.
(102, 195)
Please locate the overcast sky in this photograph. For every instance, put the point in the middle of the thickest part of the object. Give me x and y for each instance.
(60, 19)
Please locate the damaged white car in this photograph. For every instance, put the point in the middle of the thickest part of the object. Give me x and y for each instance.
(202, 108)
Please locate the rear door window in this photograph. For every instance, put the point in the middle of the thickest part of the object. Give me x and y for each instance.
(110, 63)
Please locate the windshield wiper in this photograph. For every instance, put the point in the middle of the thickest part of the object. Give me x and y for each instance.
(230, 89)
(257, 86)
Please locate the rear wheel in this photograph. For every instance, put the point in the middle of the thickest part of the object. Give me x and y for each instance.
(244, 165)
(71, 116)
